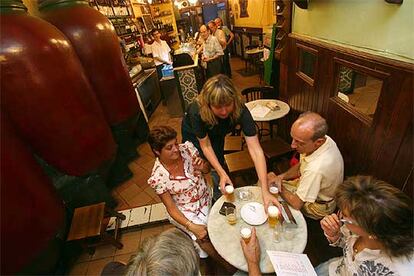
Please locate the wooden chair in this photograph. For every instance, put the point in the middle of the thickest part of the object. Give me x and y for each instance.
(258, 93)
(275, 149)
(88, 226)
(238, 162)
(233, 143)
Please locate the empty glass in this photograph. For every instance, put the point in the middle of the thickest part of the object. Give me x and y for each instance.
(231, 215)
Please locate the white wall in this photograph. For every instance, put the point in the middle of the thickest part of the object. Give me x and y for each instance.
(371, 24)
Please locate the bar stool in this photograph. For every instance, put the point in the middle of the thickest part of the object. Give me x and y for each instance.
(88, 226)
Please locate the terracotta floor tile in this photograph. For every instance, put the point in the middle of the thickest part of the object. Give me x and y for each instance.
(79, 269)
(123, 258)
(131, 241)
(95, 267)
(145, 148)
(140, 199)
(142, 181)
(148, 166)
(123, 186)
(144, 158)
(132, 191)
(84, 257)
(104, 251)
(150, 192)
(151, 231)
(168, 226)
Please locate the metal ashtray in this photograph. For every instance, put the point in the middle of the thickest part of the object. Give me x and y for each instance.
(244, 194)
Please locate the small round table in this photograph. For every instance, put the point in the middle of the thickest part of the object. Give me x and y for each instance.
(272, 115)
(226, 238)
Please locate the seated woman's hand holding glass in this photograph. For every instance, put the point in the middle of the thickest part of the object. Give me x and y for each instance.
(374, 228)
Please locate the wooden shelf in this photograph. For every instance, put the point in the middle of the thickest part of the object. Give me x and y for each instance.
(158, 4)
(161, 16)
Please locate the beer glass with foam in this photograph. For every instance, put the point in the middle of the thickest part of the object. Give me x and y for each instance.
(273, 213)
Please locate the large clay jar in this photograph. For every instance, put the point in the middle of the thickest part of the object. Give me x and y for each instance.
(31, 212)
(97, 45)
(48, 97)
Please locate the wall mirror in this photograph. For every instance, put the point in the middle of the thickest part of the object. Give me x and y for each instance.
(307, 62)
(359, 90)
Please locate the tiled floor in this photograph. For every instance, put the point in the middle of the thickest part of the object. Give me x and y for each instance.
(135, 192)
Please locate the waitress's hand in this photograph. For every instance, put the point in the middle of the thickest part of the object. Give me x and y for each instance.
(269, 199)
(224, 179)
(200, 231)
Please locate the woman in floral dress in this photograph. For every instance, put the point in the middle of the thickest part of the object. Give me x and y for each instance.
(177, 178)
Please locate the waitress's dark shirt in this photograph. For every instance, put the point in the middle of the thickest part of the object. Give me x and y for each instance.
(193, 127)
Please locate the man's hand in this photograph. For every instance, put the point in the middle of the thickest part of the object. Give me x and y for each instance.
(206, 59)
(251, 250)
(200, 231)
(273, 178)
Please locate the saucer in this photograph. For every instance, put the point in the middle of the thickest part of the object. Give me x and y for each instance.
(253, 213)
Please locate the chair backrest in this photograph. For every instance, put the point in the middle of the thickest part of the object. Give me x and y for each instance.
(257, 93)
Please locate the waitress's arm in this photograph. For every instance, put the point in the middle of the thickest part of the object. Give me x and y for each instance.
(198, 230)
(208, 151)
(256, 153)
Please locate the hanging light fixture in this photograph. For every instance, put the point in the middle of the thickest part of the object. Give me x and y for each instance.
(192, 2)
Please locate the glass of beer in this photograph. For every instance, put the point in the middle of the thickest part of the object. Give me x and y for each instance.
(273, 213)
(246, 234)
(273, 189)
(231, 215)
(229, 192)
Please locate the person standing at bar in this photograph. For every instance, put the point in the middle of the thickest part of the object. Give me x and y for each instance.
(160, 52)
(212, 52)
(229, 39)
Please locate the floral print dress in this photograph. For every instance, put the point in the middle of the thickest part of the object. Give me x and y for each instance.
(367, 262)
(190, 193)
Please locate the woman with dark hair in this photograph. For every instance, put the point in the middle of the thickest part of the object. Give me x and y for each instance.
(177, 178)
(374, 227)
(219, 108)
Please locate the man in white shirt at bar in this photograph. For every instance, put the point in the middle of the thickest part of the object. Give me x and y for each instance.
(212, 52)
(229, 39)
(319, 171)
(160, 52)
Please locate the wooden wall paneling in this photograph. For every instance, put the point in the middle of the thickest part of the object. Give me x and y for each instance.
(392, 154)
(381, 145)
(350, 134)
(408, 185)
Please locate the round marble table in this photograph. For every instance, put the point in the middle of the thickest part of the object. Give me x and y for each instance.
(272, 114)
(226, 238)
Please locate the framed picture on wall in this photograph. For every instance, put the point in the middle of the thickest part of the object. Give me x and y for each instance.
(243, 8)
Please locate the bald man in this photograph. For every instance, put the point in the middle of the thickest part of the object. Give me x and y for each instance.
(212, 52)
(319, 172)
